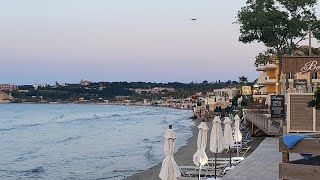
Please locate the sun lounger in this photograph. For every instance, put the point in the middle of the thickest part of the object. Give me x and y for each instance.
(191, 178)
(186, 170)
(225, 170)
(219, 163)
(225, 161)
(195, 173)
(234, 159)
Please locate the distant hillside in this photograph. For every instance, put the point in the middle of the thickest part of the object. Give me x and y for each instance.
(109, 90)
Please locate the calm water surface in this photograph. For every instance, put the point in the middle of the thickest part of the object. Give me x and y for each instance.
(56, 141)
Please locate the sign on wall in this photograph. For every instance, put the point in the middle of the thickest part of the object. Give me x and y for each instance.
(302, 64)
(277, 106)
(300, 85)
(246, 90)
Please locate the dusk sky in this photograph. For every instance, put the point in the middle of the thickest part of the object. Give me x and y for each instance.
(43, 41)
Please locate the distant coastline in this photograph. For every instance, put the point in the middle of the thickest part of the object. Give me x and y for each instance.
(110, 104)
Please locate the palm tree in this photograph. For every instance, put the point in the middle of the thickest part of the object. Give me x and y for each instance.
(243, 79)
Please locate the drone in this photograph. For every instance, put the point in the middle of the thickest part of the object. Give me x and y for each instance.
(193, 19)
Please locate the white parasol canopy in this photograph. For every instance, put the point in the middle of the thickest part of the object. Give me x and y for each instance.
(237, 132)
(169, 169)
(227, 134)
(267, 100)
(216, 137)
(200, 158)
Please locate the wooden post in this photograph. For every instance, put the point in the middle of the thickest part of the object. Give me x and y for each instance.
(285, 155)
(252, 129)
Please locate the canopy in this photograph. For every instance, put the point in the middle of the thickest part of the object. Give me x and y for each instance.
(227, 134)
(200, 158)
(169, 169)
(237, 132)
(216, 137)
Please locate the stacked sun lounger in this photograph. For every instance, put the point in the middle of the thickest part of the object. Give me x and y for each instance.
(222, 165)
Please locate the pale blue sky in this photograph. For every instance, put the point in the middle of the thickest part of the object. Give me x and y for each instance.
(42, 41)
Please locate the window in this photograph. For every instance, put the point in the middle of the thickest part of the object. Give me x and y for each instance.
(289, 75)
(314, 75)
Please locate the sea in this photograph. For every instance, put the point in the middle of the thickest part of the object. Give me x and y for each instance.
(73, 141)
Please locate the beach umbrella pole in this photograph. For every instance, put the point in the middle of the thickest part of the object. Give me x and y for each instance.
(199, 171)
(230, 155)
(237, 149)
(215, 166)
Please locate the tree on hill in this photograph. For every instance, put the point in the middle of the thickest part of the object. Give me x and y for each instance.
(279, 24)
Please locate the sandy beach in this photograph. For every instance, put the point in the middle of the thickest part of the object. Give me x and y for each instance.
(184, 155)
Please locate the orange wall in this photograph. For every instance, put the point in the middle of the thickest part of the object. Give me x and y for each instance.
(271, 88)
(271, 73)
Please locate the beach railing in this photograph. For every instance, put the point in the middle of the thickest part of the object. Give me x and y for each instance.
(270, 126)
(289, 170)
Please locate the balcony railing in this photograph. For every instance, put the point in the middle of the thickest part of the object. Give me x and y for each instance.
(271, 80)
(263, 67)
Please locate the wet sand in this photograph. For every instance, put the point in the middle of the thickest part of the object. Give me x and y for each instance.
(184, 155)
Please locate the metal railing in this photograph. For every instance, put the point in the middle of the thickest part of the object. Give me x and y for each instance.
(268, 125)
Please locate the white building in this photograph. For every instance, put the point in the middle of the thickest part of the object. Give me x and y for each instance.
(36, 86)
(229, 92)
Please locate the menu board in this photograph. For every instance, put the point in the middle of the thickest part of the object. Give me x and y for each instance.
(277, 106)
(300, 85)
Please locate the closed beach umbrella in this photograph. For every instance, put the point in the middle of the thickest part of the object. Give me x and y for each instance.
(268, 100)
(227, 135)
(216, 139)
(237, 132)
(200, 158)
(169, 169)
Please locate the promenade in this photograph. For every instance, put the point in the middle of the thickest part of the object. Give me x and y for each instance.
(262, 164)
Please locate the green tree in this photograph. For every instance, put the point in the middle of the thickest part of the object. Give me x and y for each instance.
(316, 101)
(279, 24)
(262, 58)
(305, 51)
(243, 79)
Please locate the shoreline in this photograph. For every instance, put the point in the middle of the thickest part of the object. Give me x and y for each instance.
(184, 155)
(185, 109)
(181, 157)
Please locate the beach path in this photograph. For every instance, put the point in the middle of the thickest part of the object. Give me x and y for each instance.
(262, 164)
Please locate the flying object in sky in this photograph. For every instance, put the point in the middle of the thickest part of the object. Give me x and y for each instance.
(193, 19)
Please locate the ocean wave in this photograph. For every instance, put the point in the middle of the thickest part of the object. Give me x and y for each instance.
(115, 115)
(69, 139)
(6, 129)
(126, 170)
(59, 117)
(150, 153)
(39, 169)
(30, 125)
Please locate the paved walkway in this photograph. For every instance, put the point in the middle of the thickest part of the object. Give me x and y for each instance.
(262, 164)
